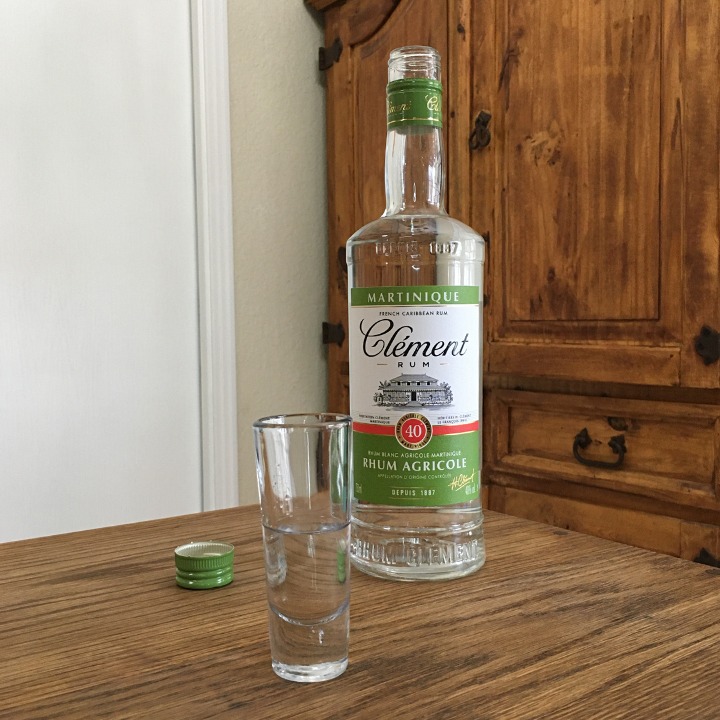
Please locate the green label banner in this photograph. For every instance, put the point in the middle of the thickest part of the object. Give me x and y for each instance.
(446, 471)
(420, 295)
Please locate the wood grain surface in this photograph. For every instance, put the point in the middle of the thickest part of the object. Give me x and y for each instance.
(557, 625)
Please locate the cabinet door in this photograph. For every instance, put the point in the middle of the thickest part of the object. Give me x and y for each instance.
(356, 129)
(587, 189)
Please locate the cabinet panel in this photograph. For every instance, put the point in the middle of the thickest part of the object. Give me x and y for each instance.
(581, 175)
(583, 255)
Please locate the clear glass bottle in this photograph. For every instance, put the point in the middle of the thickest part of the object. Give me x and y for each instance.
(415, 325)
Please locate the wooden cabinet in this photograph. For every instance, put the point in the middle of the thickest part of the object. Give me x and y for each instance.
(600, 197)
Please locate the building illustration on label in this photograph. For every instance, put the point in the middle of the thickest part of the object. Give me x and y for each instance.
(414, 390)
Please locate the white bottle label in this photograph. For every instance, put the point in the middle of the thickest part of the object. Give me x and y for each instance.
(415, 394)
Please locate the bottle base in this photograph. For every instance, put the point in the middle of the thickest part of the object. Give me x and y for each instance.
(411, 574)
(400, 554)
(310, 673)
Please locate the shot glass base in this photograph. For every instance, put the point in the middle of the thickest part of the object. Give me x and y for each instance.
(310, 673)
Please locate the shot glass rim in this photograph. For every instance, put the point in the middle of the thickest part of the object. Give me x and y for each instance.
(293, 420)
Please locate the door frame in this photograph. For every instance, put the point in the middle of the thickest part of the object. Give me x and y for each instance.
(216, 280)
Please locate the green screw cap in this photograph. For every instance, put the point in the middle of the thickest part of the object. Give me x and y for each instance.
(204, 565)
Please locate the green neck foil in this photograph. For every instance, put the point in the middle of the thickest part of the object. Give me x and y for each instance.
(414, 101)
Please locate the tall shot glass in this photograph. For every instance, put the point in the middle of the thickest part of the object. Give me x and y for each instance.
(303, 464)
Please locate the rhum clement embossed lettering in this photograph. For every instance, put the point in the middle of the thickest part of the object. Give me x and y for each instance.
(415, 353)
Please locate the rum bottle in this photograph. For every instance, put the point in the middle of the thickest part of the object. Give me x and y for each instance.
(415, 289)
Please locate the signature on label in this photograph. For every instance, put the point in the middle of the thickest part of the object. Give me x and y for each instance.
(460, 481)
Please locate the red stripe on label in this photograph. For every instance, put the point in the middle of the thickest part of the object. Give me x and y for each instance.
(453, 429)
(437, 429)
(374, 429)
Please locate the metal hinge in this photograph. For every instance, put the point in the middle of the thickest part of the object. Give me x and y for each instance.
(327, 57)
(707, 345)
(706, 558)
(333, 334)
(480, 136)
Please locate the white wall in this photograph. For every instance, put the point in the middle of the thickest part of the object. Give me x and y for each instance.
(99, 396)
(279, 214)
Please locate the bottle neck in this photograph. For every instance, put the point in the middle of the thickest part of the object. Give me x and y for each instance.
(414, 171)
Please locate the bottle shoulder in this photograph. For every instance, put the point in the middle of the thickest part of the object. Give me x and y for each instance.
(416, 227)
(416, 237)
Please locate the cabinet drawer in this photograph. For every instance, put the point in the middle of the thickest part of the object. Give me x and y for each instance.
(671, 448)
(660, 533)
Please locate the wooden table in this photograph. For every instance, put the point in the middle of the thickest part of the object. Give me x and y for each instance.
(557, 625)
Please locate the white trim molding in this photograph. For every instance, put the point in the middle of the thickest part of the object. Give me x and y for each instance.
(215, 253)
